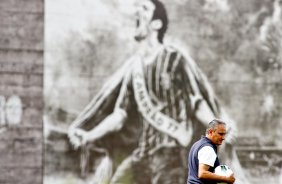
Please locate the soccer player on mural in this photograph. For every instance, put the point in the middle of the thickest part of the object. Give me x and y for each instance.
(148, 112)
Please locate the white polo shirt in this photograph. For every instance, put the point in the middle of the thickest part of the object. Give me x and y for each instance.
(207, 155)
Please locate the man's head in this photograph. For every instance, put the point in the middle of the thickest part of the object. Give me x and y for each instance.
(216, 131)
(151, 16)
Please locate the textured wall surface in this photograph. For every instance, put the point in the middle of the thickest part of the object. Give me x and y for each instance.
(236, 43)
(21, 91)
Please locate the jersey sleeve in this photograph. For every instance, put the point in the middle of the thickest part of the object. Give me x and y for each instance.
(207, 155)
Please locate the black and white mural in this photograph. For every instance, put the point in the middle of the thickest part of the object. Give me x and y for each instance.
(129, 85)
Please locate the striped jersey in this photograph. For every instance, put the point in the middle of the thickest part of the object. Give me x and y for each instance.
(169, 88)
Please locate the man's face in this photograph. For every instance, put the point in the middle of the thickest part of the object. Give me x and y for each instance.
(218, 134)
(144, 14)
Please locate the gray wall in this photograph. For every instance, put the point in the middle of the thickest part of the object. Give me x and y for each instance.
(21, 77)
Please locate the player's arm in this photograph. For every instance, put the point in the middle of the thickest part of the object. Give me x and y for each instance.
(207, 158)
(112, 123)
(115, 121)
(198, 84)
(204, 173)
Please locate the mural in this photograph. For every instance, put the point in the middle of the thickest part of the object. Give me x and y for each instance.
(130, 85)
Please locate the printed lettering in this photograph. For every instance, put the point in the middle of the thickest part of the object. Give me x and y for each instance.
(141, 95)
(160, 121)
(144, 104)
(148, 111)
(172, 126)
(138, 85)
(153, 117)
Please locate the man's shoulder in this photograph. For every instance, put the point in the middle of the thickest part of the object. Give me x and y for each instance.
(175, 50)
(203, 143)
(207, 148)
(171, 48)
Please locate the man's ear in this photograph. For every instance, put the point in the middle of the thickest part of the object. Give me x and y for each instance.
(210, 131)
(156, 24)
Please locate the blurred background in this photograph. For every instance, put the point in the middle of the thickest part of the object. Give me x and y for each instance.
(236, 43)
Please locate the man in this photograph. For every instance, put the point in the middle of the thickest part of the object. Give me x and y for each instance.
(155, 102)
(203, 159)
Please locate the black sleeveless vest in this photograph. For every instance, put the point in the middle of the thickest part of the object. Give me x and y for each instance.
(193, 162)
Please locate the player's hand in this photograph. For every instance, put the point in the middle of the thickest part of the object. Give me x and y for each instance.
(82, 135)
(78, 137)
(230, 179)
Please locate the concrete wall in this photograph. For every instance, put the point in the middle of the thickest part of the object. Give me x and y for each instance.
(21, 91)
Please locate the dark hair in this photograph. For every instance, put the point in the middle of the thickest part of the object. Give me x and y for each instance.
(213, 124)
(160, 13)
